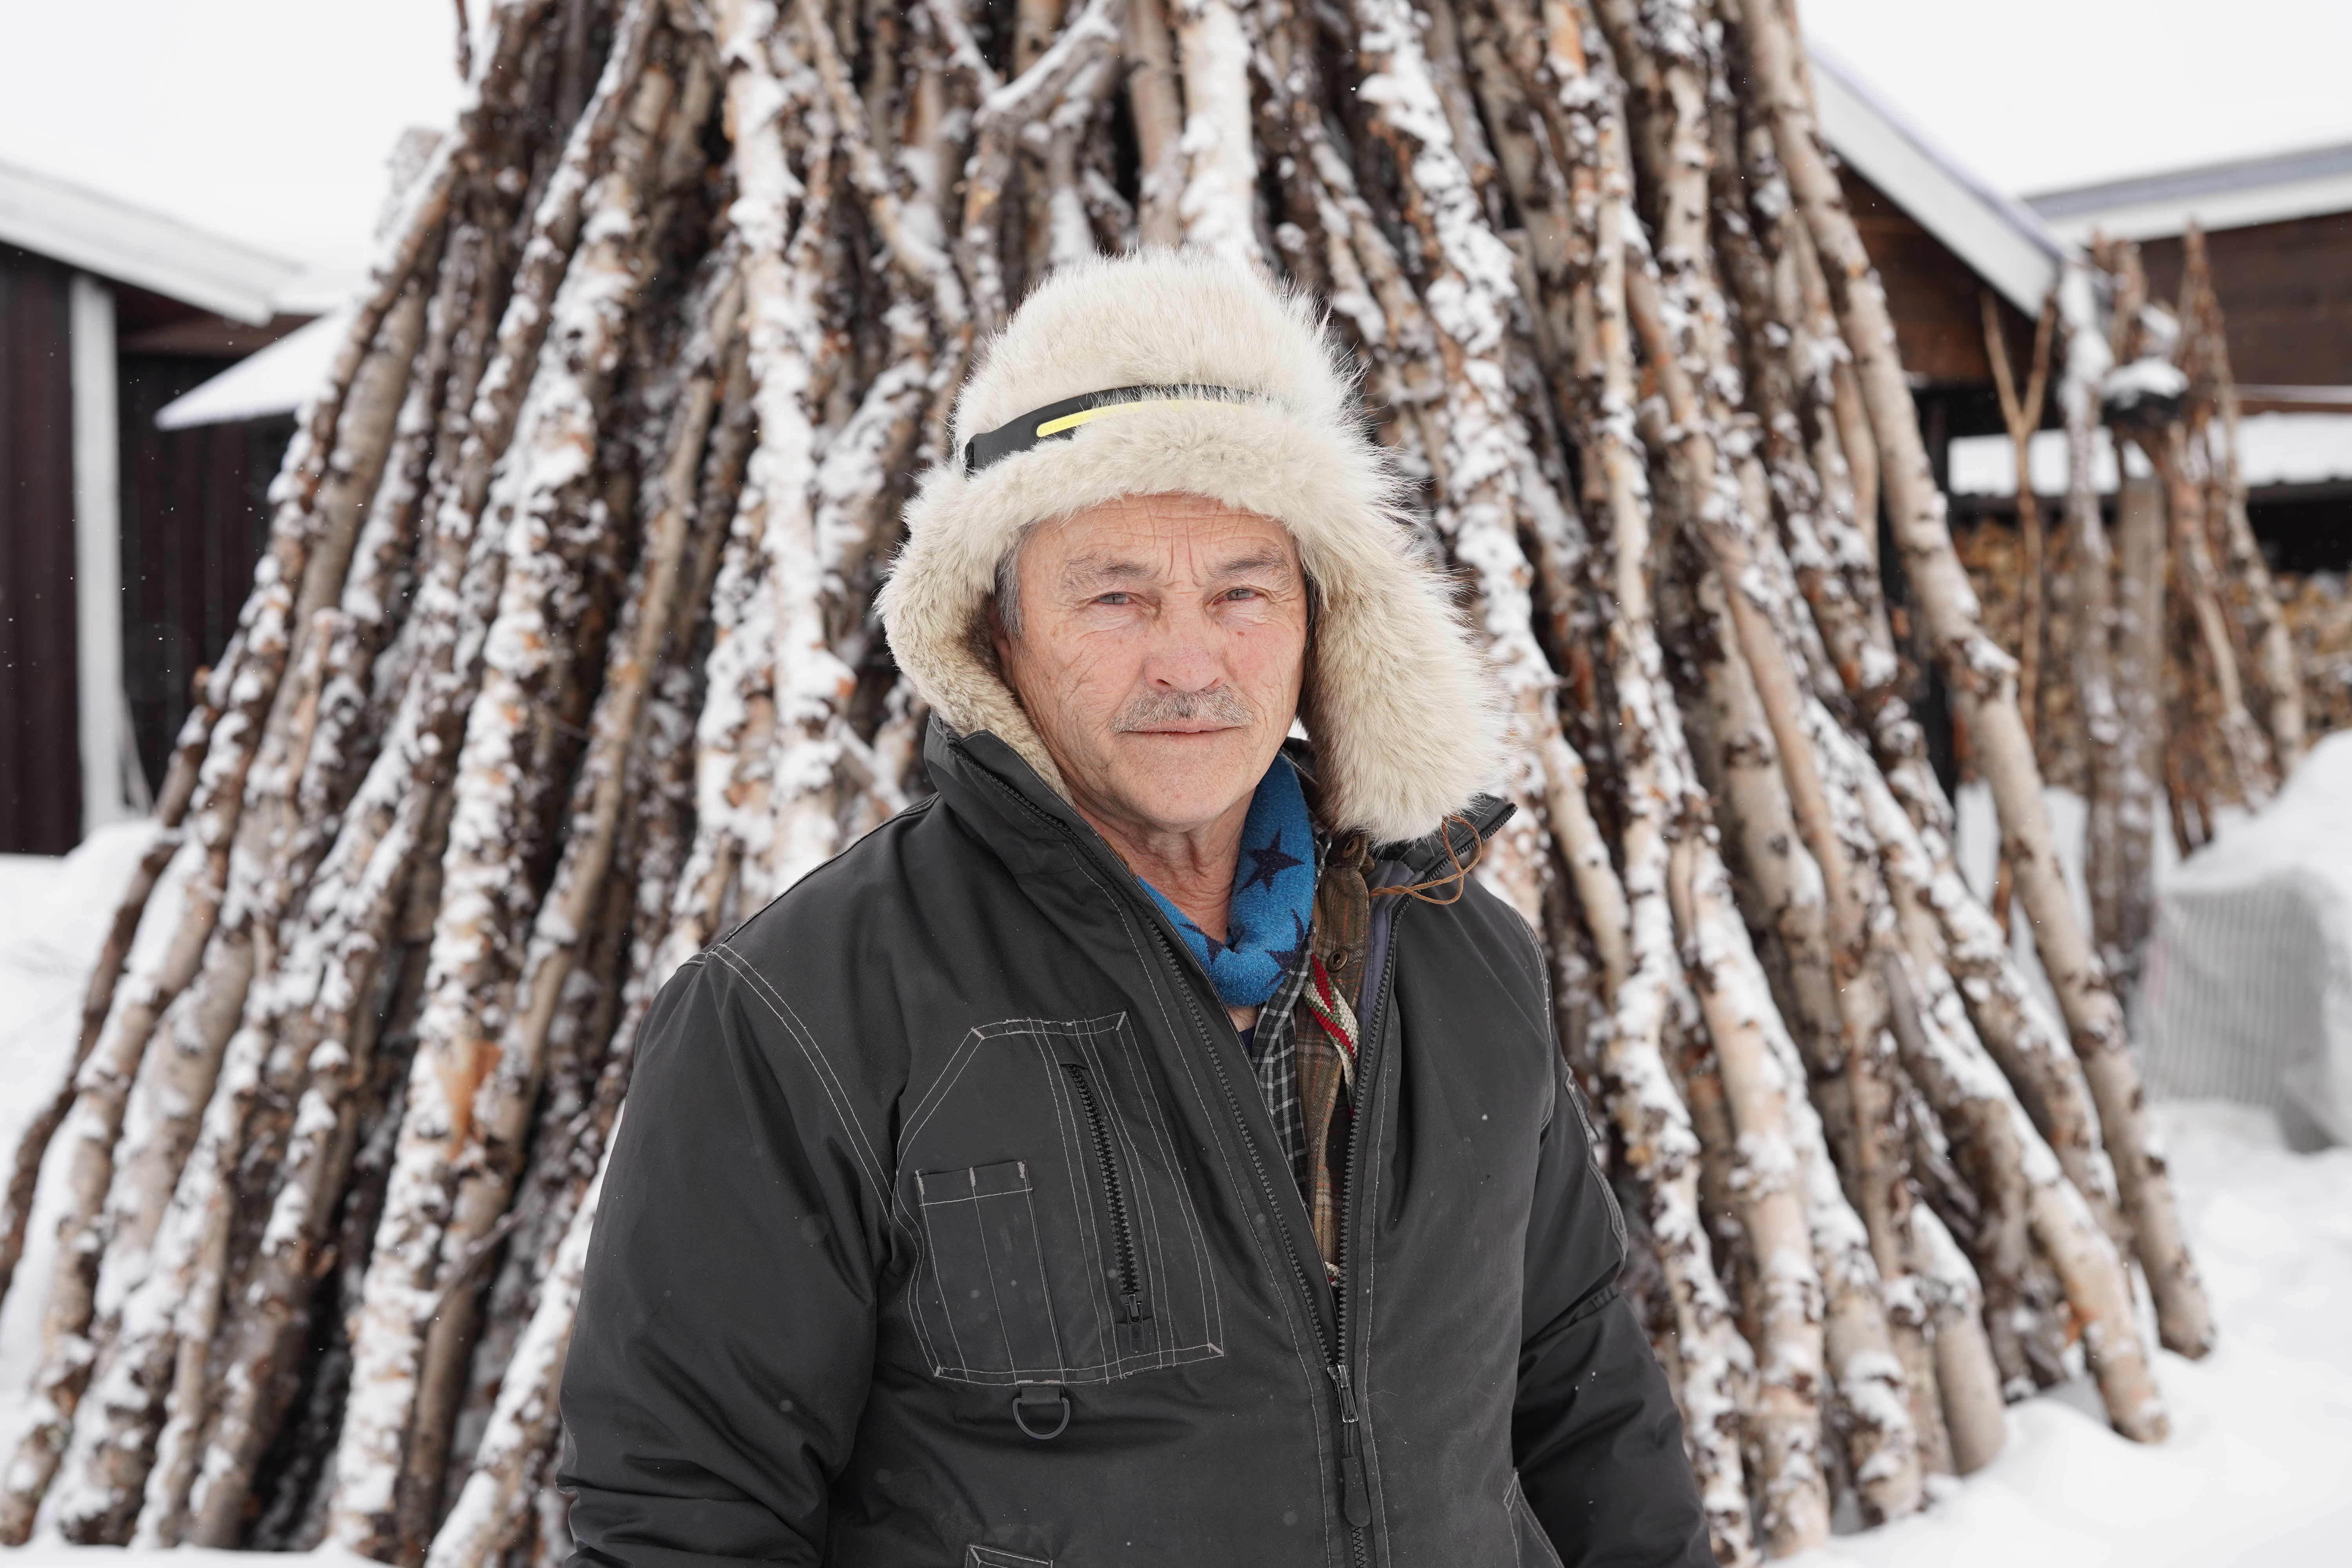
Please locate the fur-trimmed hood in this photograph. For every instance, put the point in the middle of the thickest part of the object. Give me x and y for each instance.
(1405, 717)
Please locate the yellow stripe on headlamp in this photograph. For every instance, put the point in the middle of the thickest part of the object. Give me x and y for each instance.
(1060, 419)
(1087, 416)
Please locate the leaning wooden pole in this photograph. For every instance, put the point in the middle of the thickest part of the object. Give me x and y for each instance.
(2266, 628)
(542, 488)
(1985, 676)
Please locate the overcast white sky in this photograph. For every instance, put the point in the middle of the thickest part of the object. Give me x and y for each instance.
(2035, 95)
(268, 120)
(265, 121)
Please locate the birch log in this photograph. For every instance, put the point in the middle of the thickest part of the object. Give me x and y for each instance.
(2265, 627)
(1981, 671)
(1950, 1063)
(2117, 792)
(1218, 206)
(552, 464)
(2139, 644)
(2022, 413)
(1729, 984)
(1650, 1116)
(483, 1516)
(2183, 470)
(1153, 106)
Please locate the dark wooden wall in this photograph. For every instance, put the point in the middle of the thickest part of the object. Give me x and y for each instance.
(41, 768)
(2287, 293)
(193, 516)
(194, 519)
(1933, 294)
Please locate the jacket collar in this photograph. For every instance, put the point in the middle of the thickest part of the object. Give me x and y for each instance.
(993, 788)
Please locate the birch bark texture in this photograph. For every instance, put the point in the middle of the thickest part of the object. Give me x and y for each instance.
(562, 660)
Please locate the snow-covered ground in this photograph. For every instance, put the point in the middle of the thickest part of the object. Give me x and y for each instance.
(2256, 1472)
(53, 916)
(2259, 1468)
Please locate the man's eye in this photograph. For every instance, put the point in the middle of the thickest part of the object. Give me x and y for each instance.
(1116, 599)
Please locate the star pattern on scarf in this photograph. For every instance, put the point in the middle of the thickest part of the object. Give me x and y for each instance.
(1267, 863)
(1288, 957)
(1216, 949)
(1245, 962)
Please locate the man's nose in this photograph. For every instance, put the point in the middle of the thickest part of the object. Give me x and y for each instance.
(1184, 655)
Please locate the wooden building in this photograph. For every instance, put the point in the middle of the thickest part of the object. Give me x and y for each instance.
(1941, 240)
(2279, 239)
(125, 550)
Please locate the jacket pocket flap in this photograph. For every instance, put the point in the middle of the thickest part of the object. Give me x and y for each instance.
(973, 1182)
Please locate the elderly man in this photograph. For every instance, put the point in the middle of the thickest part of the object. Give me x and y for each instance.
(1153, 1149)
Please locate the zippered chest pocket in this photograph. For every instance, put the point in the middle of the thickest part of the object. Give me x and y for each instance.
(1058, 1241)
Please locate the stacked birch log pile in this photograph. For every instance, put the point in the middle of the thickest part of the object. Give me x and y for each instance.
(562, 658)
(2318, 612)
(2185, 692)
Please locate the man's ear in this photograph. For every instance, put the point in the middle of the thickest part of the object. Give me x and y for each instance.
(995, 645)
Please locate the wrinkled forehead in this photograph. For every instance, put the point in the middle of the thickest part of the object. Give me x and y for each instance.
(1170, 540)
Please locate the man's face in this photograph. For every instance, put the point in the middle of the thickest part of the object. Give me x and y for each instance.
(1162, 643)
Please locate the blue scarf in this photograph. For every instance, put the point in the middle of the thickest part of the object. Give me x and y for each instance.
(1274, 895)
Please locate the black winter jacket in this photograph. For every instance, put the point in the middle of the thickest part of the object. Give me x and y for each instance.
(947, 1226)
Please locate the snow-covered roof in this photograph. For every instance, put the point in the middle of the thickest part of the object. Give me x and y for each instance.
(2234, 194)
(2275, 450)
(2004, 241)
(131, 245)
(272, 380)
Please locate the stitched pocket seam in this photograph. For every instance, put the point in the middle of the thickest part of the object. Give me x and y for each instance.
(996, 1557)
(1094, 1040)
(962, 1371)
(1522, 1516)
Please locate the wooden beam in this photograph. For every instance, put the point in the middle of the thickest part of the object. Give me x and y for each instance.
(112, 786)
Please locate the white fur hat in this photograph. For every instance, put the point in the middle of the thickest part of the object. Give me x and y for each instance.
(1404, 715)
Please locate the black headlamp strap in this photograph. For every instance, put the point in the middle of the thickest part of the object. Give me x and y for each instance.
(1060, 420)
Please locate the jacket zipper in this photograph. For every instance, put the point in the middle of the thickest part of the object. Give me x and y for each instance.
(1355, 1490)
(1266, 1188)
(1357, 1496)
(1354, 1494)
(1131, 1280)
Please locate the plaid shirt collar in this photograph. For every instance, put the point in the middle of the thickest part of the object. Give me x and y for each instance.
(1273, 1051)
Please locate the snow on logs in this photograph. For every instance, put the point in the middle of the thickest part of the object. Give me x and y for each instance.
(562, 659)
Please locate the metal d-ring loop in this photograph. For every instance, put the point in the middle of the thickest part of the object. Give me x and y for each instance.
(1023, 1399)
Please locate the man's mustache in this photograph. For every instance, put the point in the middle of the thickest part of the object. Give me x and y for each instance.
(1151, 709)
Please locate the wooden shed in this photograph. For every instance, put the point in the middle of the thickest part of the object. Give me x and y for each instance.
(125, 550)
(2279, 238)
(1941, 239)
